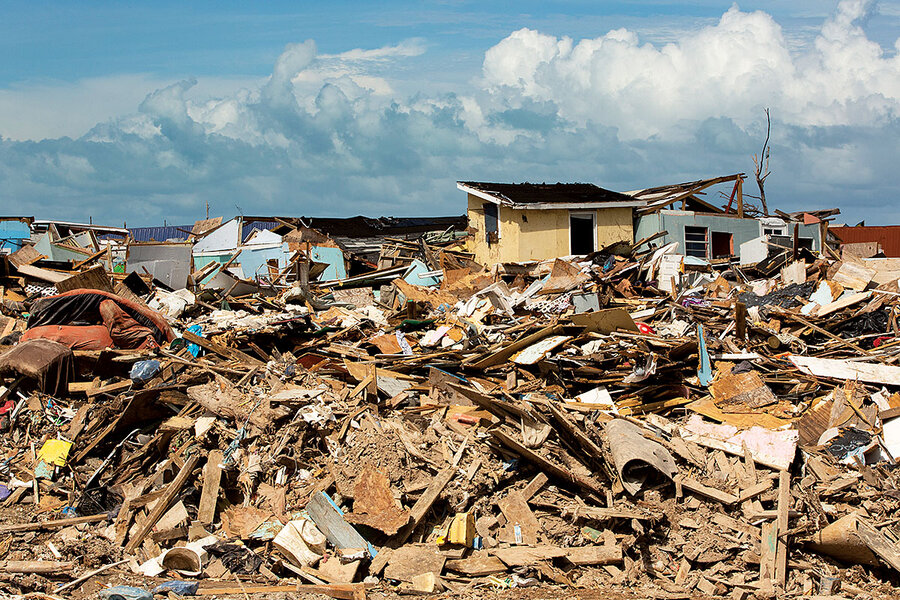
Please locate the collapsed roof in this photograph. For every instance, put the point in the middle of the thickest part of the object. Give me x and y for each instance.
(548, 195)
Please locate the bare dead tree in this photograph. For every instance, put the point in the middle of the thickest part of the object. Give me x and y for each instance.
(761, 164)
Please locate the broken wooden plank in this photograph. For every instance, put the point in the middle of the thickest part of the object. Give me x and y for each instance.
(76, 582)
(842, 369)
(479, 564)
(602, 513)
(340, 591)
(40, 567)
(692, 485)
(112, 388)
(534, 486)
(754, 490)
(594, 555)
(840, 304)
(767, 551)
(95, 278)
(55, 524)
(522, 556)
(414, 559)
(163, 503)
(854, 276)
(781, 549)
(546, 465)
(212, 476)
(501, 356)
(429, 497)
(879, 544)
(330, 521)
(518, 514)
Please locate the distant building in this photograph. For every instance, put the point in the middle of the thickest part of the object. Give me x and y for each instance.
(886, 236)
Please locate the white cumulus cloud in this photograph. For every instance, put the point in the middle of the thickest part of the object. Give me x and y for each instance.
(731, 69)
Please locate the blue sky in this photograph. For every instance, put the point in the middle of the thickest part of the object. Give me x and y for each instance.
(144, 112)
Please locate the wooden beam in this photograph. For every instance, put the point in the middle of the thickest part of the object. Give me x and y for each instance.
(824, 332)
(56, 524)
(692, 485)
(42, 567)
(223, 351)
(548, 466)
(113, 388)
(341, 591)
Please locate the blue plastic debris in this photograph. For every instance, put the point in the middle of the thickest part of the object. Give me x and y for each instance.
(192, 348)
(124, 592)
(704, 372)
(144, 370)
(182, 588)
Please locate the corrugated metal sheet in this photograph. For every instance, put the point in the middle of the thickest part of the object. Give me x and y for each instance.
(160, 234)
(249, 226)
(888, 236)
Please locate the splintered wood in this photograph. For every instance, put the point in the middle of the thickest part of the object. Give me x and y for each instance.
(268, 407)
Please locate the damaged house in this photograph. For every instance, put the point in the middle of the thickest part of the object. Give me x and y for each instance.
(706, 232)
(525, 222)
(515, 222)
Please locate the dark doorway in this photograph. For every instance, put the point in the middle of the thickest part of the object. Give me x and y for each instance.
(722, 244)
(581, 233)
(491, 222)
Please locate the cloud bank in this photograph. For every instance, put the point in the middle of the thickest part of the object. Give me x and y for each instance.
(330, 135)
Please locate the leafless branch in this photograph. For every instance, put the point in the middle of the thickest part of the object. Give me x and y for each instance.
(761, 166)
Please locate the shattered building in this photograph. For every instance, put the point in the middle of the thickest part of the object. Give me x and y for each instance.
(708, 232)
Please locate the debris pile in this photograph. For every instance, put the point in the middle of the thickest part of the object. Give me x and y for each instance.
(421, 423)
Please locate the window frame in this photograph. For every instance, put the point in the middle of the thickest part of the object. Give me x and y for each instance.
(705, 242)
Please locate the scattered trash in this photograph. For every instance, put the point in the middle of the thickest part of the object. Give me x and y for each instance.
(144, 370)
(287, 412)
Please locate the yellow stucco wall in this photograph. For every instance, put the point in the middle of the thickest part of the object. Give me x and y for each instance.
(538, 234)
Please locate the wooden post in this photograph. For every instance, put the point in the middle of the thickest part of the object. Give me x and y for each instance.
(740, 320)
(304, 274)
(781, 527)
(796, 240)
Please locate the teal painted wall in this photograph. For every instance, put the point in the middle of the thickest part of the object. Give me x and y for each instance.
(742, 230)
